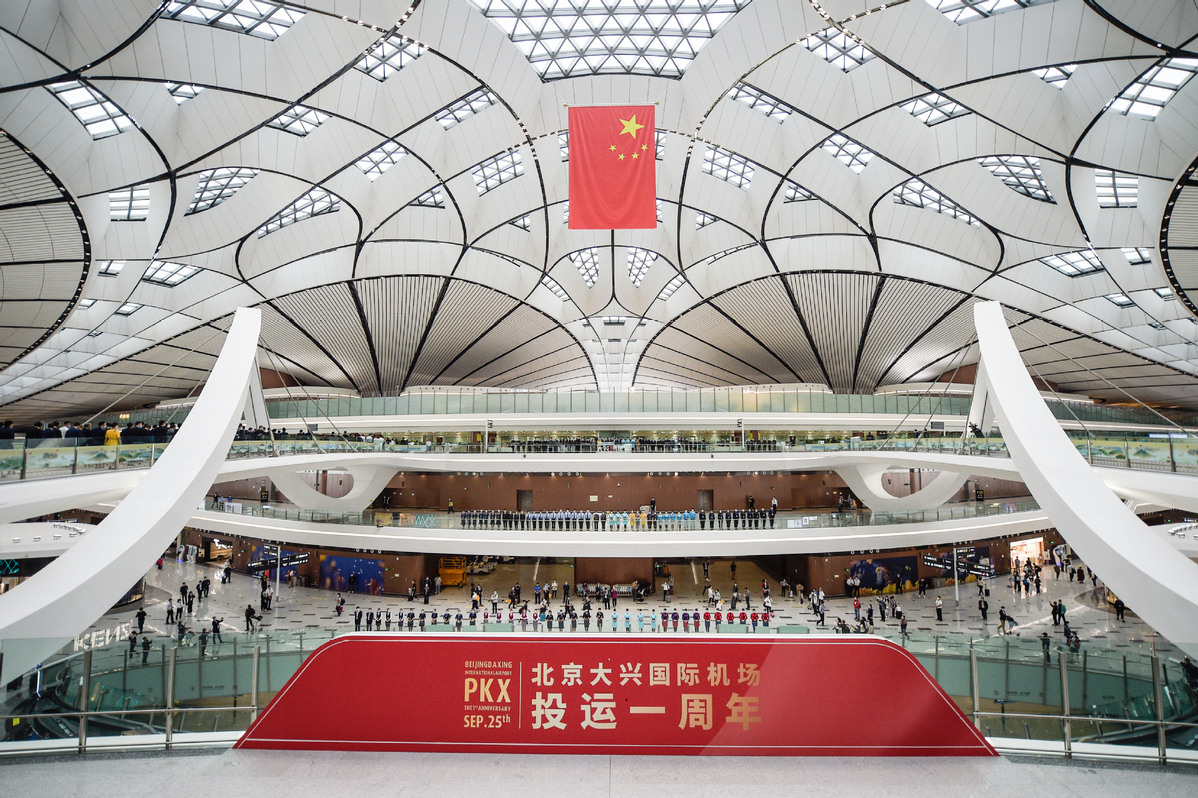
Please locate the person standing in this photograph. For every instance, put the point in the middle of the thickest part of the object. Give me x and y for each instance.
(939, 609)
(249, 617)
(1120, 608)
(132, 644)
(216, 622)
(170, 611)
(983, 608)
(203, 642)
(141, 619)
(145, 649)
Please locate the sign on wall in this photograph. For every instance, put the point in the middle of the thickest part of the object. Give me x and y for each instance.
(605, 694)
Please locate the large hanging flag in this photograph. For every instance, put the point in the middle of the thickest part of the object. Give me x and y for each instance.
(613, 180)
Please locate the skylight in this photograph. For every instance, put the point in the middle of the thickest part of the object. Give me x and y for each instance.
(433, 198)
(389, 56)
(84, 304)
(1153, 90)
(127, 309)
(129, 204)
(1116, 189)
(497, 170)
(590, 37)
(217, 185)
(465, 108)
(1137, 255)
(659, 145)
(962, 11)
(380, 159)
(95, 111)
(182, 92)
(919, 194)
(563, 145)
(256, 17)
(1056, 76)
(729, 167)
(1122, 300)
(315, 203)
(1164, 293)
(839, 49)
(934, 108)
(761, 102)
(524, 222)
(710, 259)
(615, 321)
(702, 220)
(1021, 173)
(672, 286)
(299, 119)
(639, 262)
(109, 268)
(1074, 264)
(166, 273)
(587, 263)
(553, 286)
(848, 152)
(794, 192)
(94, 334)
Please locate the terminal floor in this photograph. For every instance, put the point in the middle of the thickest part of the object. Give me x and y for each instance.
(312, 608)
(235, 773)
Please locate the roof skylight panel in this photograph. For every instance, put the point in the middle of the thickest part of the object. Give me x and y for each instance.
(433, 198)
(84, 304)
(299, 119)
(314, 203)
(259, 18)
(553, 286)
(466, 107)
(794, 192)
(853, 155)
(389, 56)
(167, 273)
(497, 170)
(962, 11)
(919, 194)
(1056, 76)
(1020, 173)
(670, 287)
(702, 220)
(109, 268)
(1137, 255)
(1165, 293)
(587, 263)
(1074, 264)
(639, 263)
(563, 145)
(182, 92)
(1153, 90)
(659, 145)
(934, 108)
(1121, 300)
(96, 112)
(127, 309)
(729, 167)
(760, 101)
(841, 50)
(129, 204)
(380, 159)
(589, 37)
(217, 185)
(1116, 189)
(524, 222)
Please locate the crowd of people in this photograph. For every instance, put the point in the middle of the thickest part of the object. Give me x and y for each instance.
(57, 434)
(670, 520)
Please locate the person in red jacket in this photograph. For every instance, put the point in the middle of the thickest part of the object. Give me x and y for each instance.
(744, 617)
(707, 620)
(753, 619)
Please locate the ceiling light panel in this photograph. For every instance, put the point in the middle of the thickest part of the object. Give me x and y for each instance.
(96, 112)
(729, 167)
(315, 203)
(389, 56)
(838, 48)
(591, 37)
(934, 108)
(1153, 90)
(463, 109)
(1020, 173)
(254, 17)
(299, 119)
(374, 163)
(962, 11)
(217, 185)
(853, 155)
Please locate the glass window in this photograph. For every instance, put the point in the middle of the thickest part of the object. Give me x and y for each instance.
(507, 403)
(592, 402)
(440, 402)
(749, 401)
(735, 405)
(636, 401)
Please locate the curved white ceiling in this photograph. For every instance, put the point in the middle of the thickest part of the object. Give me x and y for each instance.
(838, 181)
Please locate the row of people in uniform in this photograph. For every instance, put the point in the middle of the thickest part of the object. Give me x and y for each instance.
(677, 520)
(544, 617)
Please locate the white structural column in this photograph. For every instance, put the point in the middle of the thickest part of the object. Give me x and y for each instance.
(865, 480)
(42, 613)
(369, 481)
(1155, 580)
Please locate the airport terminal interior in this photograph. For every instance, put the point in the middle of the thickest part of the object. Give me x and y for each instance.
(871, 326)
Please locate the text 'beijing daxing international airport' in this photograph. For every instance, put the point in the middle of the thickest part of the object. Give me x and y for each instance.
(605, 373)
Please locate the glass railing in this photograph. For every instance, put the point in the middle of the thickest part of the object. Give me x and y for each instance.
(1101, 700)
(784, 520)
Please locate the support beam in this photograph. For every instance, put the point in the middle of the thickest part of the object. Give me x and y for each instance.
(1155, 580)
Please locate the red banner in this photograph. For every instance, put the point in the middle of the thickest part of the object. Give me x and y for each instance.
(613, 181)
(634, 694)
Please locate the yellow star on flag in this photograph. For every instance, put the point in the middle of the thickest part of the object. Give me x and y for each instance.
(630, 126)
(621, 156)
(612, 148)
(636, 155)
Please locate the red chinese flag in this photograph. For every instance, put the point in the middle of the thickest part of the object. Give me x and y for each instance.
(613, 182)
